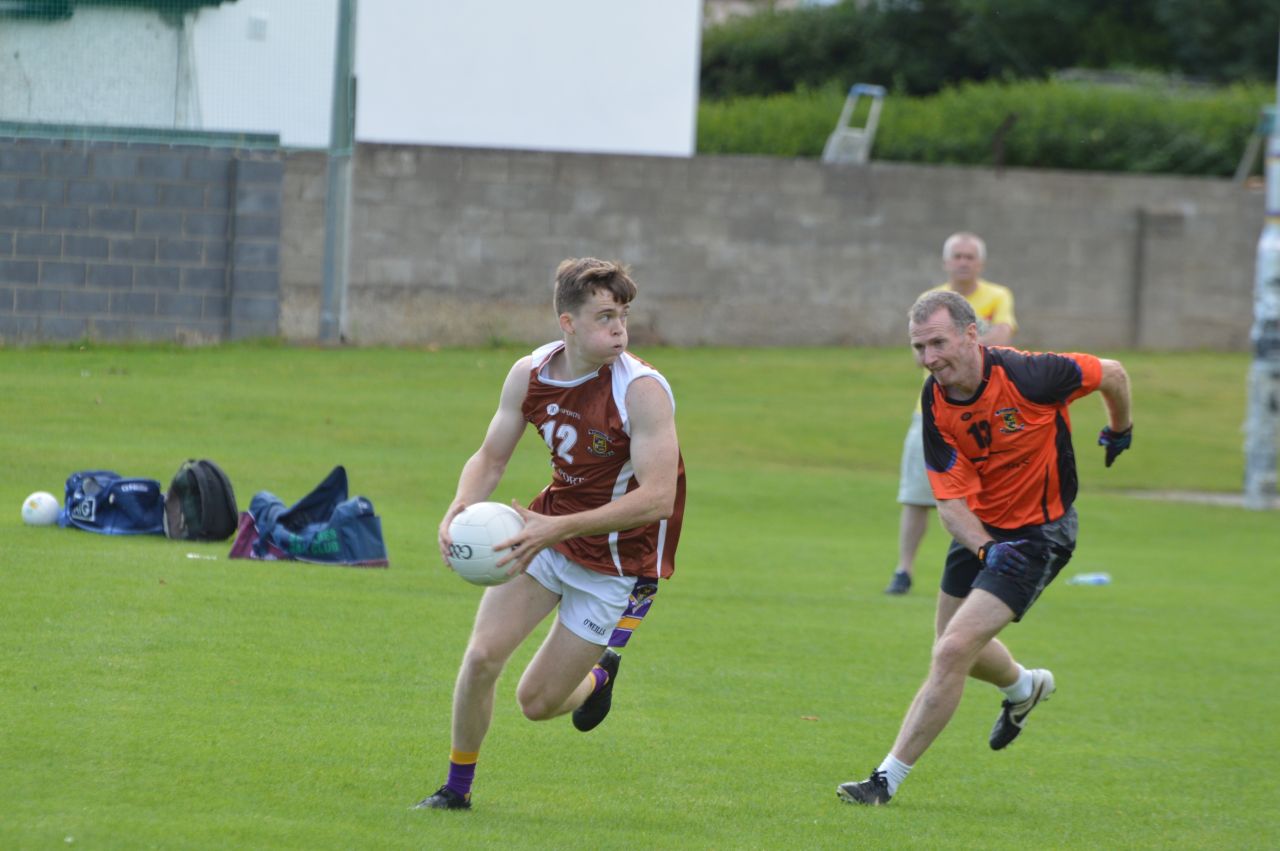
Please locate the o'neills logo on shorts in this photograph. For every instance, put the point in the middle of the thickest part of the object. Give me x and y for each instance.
(598, 630)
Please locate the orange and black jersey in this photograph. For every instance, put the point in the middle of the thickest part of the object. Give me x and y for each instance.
(1007, 451)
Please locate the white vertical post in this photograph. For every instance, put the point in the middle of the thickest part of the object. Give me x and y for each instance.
(1264, 373)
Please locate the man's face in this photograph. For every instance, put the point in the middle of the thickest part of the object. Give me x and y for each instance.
(951, 355)
(599, 326)
(964, 263)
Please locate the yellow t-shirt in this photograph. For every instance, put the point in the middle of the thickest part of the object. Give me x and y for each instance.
(992, 303)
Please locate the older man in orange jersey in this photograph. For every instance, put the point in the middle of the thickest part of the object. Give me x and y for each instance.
(964, 256)
(997, 445)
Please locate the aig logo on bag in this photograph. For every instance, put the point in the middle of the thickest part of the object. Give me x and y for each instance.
(85, 509)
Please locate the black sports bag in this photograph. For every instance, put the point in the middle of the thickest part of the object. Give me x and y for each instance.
(200, 504)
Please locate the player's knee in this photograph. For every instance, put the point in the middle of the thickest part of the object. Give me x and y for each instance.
(535, 705)
(952, 653)
(483, 662)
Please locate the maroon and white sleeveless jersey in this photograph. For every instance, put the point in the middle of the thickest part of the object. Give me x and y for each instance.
(585, 424)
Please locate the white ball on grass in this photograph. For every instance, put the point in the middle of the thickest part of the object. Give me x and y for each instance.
(40, 509)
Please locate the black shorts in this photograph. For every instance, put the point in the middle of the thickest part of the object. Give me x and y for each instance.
(1049, 548)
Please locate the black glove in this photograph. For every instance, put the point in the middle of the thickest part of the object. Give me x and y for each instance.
(1115, 441)
(1004, 557)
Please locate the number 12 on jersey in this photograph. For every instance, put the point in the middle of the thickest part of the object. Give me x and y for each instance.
(568, 436)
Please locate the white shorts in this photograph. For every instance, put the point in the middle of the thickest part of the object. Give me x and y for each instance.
(913, 481)
(590, 603)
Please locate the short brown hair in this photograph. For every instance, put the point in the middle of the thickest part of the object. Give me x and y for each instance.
(578, 278)
(957, 306)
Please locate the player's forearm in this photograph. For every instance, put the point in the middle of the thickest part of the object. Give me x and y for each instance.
(479, 478)
(640, 507)
(997, 335)
(962, 524)
(1115, 395)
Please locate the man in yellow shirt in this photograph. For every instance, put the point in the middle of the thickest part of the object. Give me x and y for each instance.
(963, 256)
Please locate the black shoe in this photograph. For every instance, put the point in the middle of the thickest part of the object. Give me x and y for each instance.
(594, 709)
(900, 584)
(444, 799)
(873, 791)
(1013, 716)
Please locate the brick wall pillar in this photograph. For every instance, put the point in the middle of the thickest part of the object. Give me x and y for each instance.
(137, 241)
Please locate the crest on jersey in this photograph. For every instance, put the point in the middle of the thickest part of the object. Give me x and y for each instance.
(1010, 421)
(598, 444)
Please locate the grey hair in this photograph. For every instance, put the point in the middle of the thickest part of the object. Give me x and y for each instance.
(957, 306)
(964, 236)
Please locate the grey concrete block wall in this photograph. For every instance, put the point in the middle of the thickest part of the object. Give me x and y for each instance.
(457, 246)
(133, 241)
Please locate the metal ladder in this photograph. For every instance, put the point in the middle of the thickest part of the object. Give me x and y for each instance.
(853, 144)
(1266, 120)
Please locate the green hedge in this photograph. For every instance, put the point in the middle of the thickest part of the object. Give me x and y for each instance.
(1057, 125)
(918, 47)
(912, 50)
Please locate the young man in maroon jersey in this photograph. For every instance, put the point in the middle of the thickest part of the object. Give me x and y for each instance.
(595, 541)
(997, 445)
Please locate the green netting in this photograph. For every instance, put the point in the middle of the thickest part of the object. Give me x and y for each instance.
(105, 133)
(208, 71)
(54, 9)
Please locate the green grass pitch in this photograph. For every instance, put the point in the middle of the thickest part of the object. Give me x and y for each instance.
(154, 700)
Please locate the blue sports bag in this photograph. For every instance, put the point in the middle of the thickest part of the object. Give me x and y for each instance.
(105, 502)
(324, 527)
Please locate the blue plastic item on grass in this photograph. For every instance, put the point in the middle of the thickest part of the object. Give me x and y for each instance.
(1090, 579)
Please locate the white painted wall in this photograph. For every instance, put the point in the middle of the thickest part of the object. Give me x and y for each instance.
(266, 66)
(614, 76)
(609, 76)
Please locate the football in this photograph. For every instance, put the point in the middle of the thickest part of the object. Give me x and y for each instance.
(40, 509)
(474, 533)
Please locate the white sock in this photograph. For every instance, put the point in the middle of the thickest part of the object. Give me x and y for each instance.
(1021, 688)
(895, 771)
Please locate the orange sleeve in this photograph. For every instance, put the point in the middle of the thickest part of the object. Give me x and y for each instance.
(1090, 373)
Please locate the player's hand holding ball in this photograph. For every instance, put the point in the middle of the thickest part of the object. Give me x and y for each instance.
(1115, 441)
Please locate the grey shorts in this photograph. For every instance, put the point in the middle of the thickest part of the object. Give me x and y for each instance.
(1049, 546)
(913, 481)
